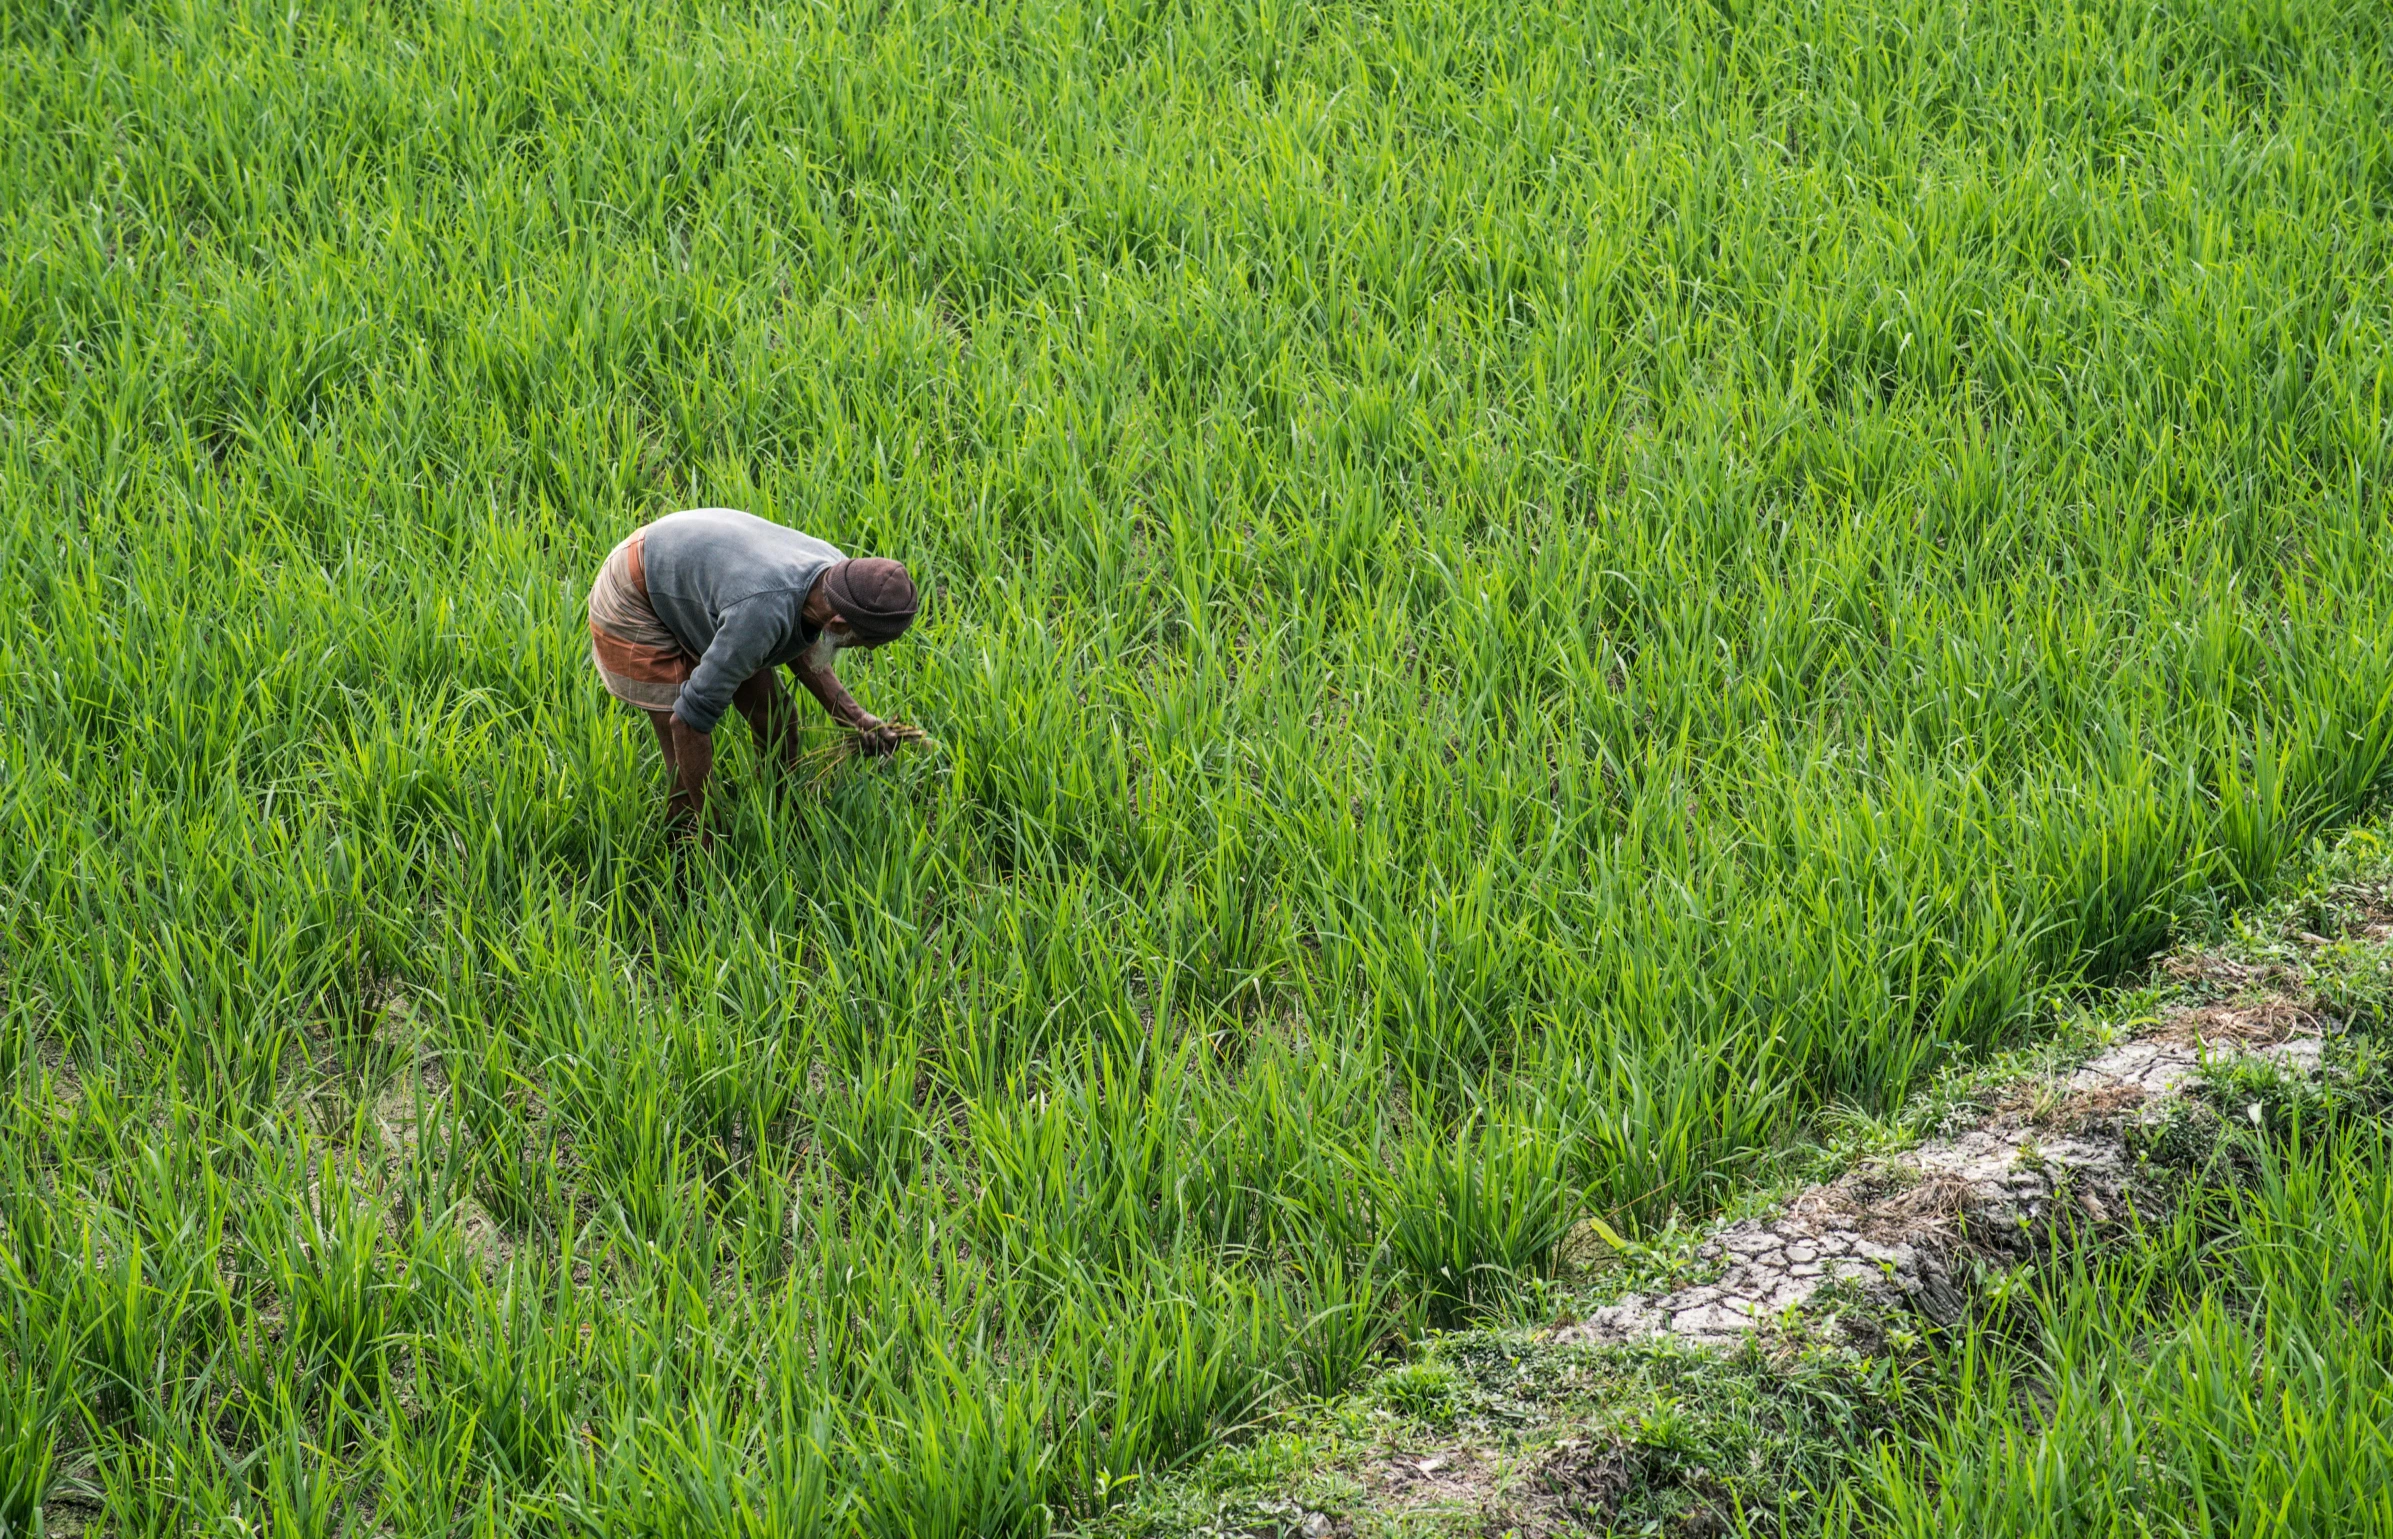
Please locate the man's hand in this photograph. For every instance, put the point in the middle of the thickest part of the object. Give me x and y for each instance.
(874, 736)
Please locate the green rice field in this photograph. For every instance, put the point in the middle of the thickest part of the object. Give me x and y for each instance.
(1523, 602)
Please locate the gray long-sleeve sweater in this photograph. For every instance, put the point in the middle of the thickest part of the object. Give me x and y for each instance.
(730, 586)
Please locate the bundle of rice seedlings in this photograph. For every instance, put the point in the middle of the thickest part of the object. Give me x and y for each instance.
(818, 765)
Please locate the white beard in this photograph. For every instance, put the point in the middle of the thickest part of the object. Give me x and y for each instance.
(825, 647)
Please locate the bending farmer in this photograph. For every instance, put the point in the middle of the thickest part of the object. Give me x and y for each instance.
(691, 615)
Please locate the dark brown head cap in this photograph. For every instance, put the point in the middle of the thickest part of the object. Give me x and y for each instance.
(874, 595)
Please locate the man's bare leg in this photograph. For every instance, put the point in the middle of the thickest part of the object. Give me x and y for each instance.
(771, 716)
(690, 756)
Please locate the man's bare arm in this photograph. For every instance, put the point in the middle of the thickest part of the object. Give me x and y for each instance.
(815, 673)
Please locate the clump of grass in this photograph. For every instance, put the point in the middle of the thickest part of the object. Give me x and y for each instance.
(1429, 1392)
(35, 1397)
(870, 1126)
(1476, 1213)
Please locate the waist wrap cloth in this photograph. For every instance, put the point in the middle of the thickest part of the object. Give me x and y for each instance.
(636, 657)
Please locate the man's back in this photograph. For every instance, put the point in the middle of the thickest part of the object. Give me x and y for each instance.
(702, 563)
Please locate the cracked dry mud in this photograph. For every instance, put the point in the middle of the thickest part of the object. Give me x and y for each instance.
(1893, 1231)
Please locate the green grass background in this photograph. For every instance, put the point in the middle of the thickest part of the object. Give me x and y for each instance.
(1521, 598)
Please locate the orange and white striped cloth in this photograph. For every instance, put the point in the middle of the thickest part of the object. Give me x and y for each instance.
(637, 658)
